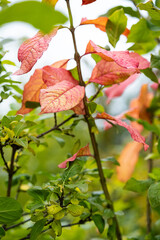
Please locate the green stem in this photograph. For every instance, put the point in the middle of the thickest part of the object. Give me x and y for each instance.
(11, 171)
(92, 135)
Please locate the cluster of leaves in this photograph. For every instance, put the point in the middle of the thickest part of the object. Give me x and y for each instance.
(65, 200)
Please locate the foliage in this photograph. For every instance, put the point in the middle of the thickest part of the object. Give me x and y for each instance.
(43, 204)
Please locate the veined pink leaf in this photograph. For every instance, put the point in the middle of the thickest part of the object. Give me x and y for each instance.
(62, 96)
(79, 109)
(133, 132)
(127, 160)
(143, 63)
(117, 89)
(85, 2)
(122, 58)
(35, 84)
(101, 23)
(108, 73)
(32, 49)
(52, 75)
(85, 151)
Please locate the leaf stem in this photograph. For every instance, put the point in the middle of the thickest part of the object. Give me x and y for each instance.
(2, 154)
(92, 135)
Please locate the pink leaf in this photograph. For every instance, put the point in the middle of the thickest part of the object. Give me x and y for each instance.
(143, 63)
(108, 73)
(154, 86)
(117, 89)
(52, 75)
(32, 49)
(122, 58)
(85, 151)
(62, 96)
(133, 132)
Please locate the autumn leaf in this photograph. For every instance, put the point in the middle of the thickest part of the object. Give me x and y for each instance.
(127, 160)
(62, 96)
(52, 75)
(108, 73)
(139, 106)
(122, 58)
(32, 49)
(117, 89)
(133, 132)
(85, 151)
(51, 2)
(101, 23)
(32, 87)
(85, 2)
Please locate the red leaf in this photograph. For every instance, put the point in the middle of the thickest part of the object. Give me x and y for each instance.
(32, 49)
(62, 96)
(117, 89)
(122, 58)
(143, 63)
(85, 2)
(32, 88)
(79, 109)
(108, 73)
(134, 133)
(100, 23)
(52, 75)
(85, 151)
(128, 159)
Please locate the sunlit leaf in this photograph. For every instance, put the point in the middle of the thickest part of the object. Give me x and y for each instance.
(62, 96)
(85, 151)
(108, 73)
(133, 132)
(149, 7)
(122, 58)
(32, 49)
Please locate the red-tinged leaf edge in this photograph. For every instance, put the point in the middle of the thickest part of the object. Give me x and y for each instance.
(85, 151)
(136, 136)
(85, 2)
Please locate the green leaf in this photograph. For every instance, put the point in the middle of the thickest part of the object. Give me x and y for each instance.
(149, 7)
(8, 62)
(22, 141)
(38, 194)
(38, 14)
(10, 210)
(157, 3)
(96, 57)
(127, 10)
(76, 146)
(108, 213)
(115, 26)
(99, 222)
(111, 159)
(60, 141)
(74, 73)
(154, 195)
(30, 104)
(155, 174)
(158, 146)
(74, 169)
(150, 74)
(6, 120)
(155, 61)
(57, 228)
(138, 186)
(2, 232)
(92, 107)
(75, 210)
(37, 228)
(111, 233)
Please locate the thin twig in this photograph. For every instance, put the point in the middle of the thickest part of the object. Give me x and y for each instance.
(3, 158)
(18, 224)
(57, 127)
(11, 171)
(96, 94)
(55, 119)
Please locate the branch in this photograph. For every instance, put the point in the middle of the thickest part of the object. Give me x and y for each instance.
(18, 224)
(96, 94)
(3, 158)
(92, 135)
(11, 171)
(57, 126)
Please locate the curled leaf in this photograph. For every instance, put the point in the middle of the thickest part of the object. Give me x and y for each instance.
(85, 151)
(62, 96)
(32, 49)
(122, 58)
(108, 73)
(133, 132)
(128, 159)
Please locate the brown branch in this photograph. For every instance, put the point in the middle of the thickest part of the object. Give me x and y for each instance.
(3, 158)
(18, 224)
(96, 94)
(92, 135)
